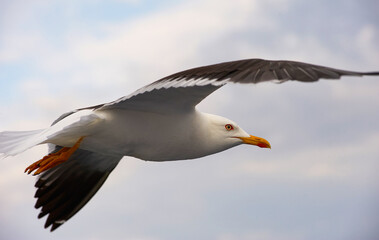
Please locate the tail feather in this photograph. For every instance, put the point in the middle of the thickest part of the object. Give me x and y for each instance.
(66, 130)
(14, 142)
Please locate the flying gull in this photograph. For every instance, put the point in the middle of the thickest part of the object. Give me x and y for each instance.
(158, 122)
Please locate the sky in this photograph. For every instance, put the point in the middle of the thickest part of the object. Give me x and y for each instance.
(319, 180)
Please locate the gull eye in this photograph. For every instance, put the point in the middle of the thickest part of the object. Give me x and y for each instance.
(229, 127)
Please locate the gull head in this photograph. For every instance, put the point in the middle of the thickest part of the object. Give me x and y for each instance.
(225, 134)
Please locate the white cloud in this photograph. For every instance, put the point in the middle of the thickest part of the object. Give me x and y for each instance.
(316, 162)
(366, 41)
(215, 196)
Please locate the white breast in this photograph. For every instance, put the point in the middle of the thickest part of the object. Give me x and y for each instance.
(152, 136)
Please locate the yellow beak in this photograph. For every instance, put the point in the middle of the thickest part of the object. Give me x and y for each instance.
(260, 142)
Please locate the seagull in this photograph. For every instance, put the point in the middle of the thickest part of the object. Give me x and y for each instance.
(158, 122)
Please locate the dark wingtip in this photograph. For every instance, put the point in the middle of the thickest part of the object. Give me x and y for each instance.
(55, 226)
(42, 214)
(371, 73)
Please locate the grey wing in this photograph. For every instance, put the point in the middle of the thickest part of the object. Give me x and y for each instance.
(260, 70)
(186, 89)
(63, 190)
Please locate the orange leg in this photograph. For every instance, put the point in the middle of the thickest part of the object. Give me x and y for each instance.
(53, 159)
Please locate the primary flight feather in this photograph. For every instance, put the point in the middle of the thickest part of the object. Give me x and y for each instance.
(158, 122)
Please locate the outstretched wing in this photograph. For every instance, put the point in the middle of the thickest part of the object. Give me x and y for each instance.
(184, 90)
(63, 190)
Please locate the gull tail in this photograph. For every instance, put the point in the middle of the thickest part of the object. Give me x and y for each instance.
(15, 142)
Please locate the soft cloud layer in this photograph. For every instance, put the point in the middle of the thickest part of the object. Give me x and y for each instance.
(318, 182)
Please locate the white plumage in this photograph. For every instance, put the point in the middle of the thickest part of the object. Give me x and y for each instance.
(158, 122)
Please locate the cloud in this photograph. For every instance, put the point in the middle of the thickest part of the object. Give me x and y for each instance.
(320, 175)
(365, 42)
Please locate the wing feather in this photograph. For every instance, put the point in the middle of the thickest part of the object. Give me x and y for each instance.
(63, 190)
(195, 84)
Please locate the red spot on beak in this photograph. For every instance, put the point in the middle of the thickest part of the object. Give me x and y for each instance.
(263, 145)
